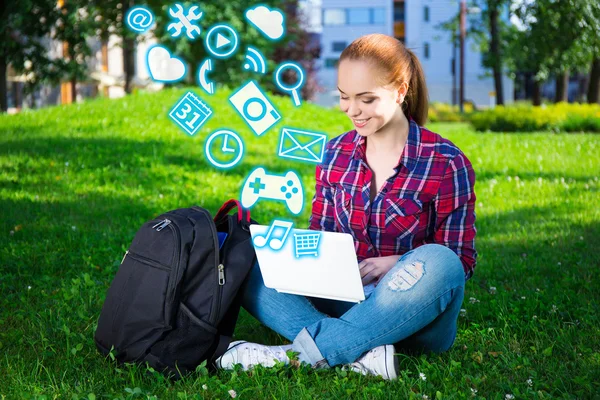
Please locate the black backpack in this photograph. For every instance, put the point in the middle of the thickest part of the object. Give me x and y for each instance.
(174, 301)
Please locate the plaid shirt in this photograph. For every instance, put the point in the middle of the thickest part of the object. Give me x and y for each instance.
(429, 198)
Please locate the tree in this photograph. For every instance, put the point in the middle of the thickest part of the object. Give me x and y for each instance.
(74, 26)
(25, 25)
(488, 31)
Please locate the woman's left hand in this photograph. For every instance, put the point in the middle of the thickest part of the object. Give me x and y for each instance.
(373, 269)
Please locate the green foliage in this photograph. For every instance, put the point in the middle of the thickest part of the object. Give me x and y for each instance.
(444, 112)
(76, 182)
(526, 118)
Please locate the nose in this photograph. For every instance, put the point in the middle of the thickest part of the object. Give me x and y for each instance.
(353, 110)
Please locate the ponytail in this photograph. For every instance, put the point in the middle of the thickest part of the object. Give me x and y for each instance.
(417, 98)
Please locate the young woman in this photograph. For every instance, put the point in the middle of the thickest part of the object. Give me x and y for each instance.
(406, 196)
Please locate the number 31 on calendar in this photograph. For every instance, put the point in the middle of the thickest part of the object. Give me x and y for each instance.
(190, 113)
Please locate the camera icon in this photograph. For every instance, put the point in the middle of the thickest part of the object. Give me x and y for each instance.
(255, 108)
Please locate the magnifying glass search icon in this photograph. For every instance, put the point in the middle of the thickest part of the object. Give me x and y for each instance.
(294, 89)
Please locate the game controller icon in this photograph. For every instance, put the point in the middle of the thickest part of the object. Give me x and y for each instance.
(259, 184)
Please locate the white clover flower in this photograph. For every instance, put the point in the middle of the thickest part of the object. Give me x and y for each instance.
(28, 287)
(204, 387)
(522, 297)
(74, 227)
(534, 317)
(422, 376)
(473, 300)
(473, 392)
(425, 397)
(463, 312)
(529, 382)
(160, 195)
(12, 233)
(232, 393)
(493, 289)
(509, 396)
(554, 308)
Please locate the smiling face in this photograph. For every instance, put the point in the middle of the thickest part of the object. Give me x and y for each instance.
(369, 104)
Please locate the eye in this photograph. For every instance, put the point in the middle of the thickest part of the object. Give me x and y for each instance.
(368, 101)
(344, 98)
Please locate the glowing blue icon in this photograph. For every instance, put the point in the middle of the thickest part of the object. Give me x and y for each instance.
(190, 113)
(184, 20)
(275, 236)
(260, 185)
(270, 22)
(255, 61)
(221, 41)
(295, 89)
(302, 145)
(306, 244)
(255, 108)
(139, 19)
(164, 67)
(231, 151)
(206, 84)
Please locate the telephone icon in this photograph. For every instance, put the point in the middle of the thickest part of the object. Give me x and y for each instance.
(205, 68)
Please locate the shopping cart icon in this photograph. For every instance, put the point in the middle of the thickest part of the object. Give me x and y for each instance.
(306, 244)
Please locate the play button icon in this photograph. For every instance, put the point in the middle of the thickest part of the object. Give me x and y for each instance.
(222, 41)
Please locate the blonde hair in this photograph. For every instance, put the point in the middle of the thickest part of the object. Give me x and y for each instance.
(399, 65)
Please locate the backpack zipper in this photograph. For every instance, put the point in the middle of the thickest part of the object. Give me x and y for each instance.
(162, 224)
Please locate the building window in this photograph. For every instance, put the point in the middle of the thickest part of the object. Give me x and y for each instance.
(338, 46)
(426, 50)
(331, 62)
(378, 16)
(359, 16)
(398, 12)
(426, 13)
(334, 16)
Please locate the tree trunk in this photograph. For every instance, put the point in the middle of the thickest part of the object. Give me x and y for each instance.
(562, 87)
(536, 95)
(593, 94)
(496, 56)
(3, 86)
(128, 50)
(74, 90)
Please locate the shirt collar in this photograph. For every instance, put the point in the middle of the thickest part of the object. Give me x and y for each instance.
(411, 151)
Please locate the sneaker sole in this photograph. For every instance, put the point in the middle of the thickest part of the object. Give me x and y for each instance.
(231, 346)
(391, 362)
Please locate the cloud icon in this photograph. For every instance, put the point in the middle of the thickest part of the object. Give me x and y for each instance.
(269, 22)
(164, 67)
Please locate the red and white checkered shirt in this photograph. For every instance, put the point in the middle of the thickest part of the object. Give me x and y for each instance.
(429, 198)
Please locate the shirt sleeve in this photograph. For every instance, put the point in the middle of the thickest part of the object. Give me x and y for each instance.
(455, 208)
(322, 216)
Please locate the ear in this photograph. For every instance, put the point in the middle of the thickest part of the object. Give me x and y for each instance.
(402, 90)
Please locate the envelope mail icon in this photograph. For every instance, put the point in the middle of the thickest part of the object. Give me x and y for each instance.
(302, 145)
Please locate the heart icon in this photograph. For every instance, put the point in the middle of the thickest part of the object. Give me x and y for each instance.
(164, 67)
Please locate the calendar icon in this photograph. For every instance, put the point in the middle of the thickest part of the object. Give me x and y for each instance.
(190, 113)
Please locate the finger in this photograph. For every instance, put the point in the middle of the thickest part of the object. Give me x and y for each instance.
(368, 278)
(366, 269)
(363, 263)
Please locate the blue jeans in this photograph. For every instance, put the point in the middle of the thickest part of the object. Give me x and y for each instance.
(415, 306)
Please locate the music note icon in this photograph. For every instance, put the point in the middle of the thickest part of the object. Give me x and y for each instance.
(275, 243)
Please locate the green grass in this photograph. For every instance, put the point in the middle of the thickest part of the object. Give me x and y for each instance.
(76, 182)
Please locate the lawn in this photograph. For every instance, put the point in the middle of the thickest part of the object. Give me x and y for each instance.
(76, 182)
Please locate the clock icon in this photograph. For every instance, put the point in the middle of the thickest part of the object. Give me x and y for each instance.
(227, 149)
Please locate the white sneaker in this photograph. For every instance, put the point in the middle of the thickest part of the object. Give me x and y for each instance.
(378, 361)
(251, 354)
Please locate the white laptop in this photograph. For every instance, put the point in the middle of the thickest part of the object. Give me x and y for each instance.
(308, 263)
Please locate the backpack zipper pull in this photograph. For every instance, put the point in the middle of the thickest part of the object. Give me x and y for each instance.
(221, 274)
(125, 255)
(161, 225)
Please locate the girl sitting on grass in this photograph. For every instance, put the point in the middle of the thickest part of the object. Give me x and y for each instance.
(406, 196)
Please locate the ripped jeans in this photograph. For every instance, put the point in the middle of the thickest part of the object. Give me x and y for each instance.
(415, 306)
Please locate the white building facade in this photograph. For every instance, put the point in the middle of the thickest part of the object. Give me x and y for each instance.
(414, 22)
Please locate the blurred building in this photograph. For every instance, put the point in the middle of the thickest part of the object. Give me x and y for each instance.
(416, 24)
